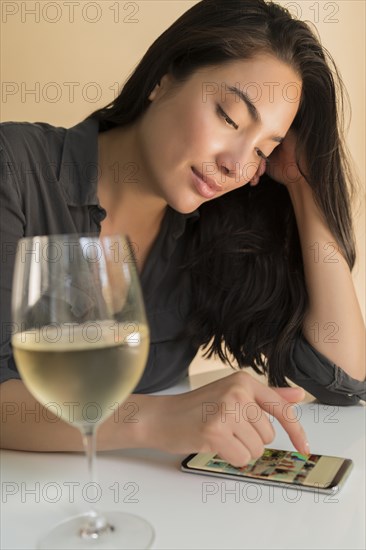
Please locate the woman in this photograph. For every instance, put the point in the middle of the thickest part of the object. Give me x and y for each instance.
(222, 160)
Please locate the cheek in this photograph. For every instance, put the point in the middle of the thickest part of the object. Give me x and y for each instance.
(194, 131)
(179, 134)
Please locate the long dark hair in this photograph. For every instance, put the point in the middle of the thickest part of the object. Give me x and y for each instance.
(248, 281)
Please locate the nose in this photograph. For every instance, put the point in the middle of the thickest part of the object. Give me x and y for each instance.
(237, 169)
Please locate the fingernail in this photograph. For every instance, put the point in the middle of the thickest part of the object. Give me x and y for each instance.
(306, 448)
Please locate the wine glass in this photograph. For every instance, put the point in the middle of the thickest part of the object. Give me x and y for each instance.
(81, 337)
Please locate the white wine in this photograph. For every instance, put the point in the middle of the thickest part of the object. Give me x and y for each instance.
(82, 372)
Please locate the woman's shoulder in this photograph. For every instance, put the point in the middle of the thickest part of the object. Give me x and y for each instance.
(19, 139)
(25, 127)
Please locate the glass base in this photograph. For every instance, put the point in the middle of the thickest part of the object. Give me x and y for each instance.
(121, 532)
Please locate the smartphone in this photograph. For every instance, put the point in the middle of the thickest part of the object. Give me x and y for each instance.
(319, 473)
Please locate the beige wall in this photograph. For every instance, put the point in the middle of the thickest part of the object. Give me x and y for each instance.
(75, 58)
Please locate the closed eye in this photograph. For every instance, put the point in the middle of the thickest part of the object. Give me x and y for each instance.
(227, 119)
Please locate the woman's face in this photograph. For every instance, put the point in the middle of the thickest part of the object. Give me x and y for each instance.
(205, 126)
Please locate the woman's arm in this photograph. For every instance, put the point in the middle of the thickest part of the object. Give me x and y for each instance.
(333, 324)
(28, 426)
(214, 418)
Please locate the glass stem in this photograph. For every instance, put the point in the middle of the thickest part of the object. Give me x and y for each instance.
(96, 523)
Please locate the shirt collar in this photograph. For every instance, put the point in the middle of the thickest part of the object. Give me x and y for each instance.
(79, 172)
(179, 221)
(79, 163)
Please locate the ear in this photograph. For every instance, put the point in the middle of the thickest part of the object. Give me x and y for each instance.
(153, 94)
(161, 88)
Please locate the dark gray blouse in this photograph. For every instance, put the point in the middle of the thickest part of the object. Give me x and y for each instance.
(48, 186)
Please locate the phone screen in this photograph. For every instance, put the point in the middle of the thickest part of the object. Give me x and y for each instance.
(276, 466)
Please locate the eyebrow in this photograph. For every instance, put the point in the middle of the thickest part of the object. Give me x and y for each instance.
(253, 111)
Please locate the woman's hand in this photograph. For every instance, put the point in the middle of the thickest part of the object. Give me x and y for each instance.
(282, 165)
(227, 417)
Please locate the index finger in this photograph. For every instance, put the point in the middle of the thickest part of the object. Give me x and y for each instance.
(281, 409)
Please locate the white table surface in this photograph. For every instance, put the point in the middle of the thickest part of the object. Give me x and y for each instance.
(150, 484)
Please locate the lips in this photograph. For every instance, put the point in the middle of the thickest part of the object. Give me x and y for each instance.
(208, 181)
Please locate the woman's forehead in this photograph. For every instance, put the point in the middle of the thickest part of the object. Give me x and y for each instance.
(264, 81)
(260, 69)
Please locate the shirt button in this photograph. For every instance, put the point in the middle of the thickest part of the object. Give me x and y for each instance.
(99, 214)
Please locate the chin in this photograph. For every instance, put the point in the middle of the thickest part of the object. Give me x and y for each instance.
(185, 205)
